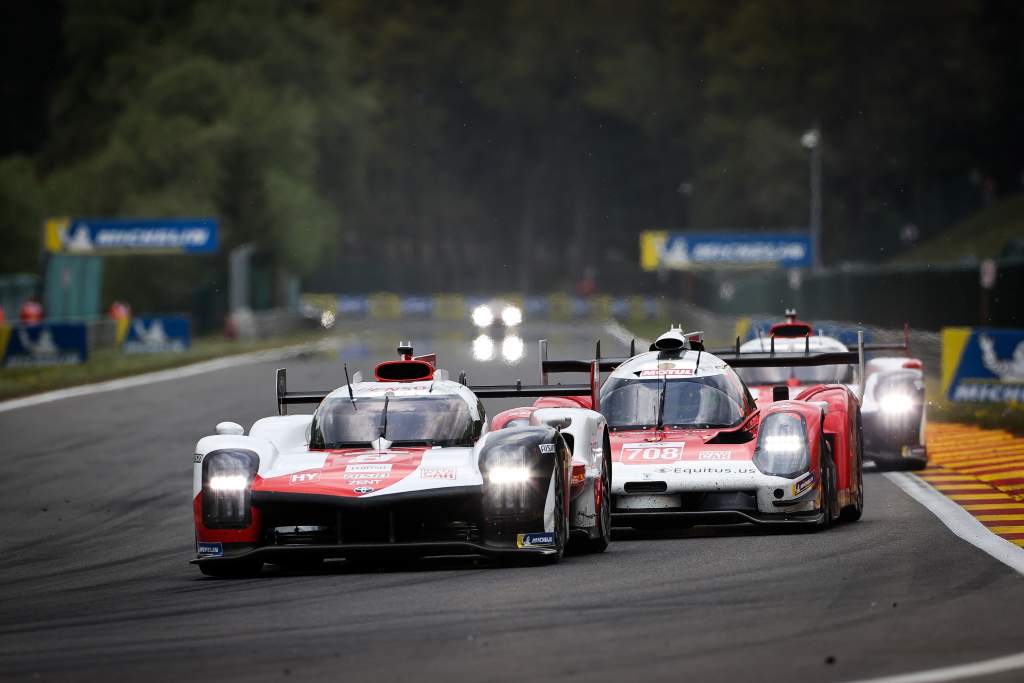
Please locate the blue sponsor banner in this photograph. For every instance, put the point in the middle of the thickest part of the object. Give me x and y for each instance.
(158, 334)
(536, 306)
(983, 364)
(663, 250)
(25, 346)
(353, 306)
(131, 236)
(417, 306)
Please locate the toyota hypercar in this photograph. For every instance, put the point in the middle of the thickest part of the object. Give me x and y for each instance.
(402, 465)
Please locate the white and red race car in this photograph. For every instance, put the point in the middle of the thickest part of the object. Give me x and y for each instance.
(892, 391)
(403, 465)
(691, 445)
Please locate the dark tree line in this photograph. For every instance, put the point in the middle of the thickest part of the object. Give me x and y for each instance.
(496, 146)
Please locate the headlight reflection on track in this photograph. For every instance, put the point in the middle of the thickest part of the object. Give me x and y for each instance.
(512, 349)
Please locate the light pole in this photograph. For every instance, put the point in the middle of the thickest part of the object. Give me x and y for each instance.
(811, 141)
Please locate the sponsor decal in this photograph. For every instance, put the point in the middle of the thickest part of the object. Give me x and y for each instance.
(913, 451)
(707, 469)
(983, 364)
(197, 458)
(714, 455)
(547, 448)
(438, 473)
(28, 346)
(804, 484)
(363, 489)
(381, 467)
(206, 549)
(674, 372)
(651, 452)
(153, 334)
(305, 477)
(546, 539)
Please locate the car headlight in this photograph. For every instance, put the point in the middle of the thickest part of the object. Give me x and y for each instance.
(782, 446)
(482, 316)
(511, 316)
(895, 403)
(227, 488)
(504, 474)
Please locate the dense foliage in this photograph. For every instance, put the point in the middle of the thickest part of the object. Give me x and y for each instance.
(366, 144)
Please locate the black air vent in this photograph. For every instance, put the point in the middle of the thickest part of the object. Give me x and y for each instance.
(646, 487)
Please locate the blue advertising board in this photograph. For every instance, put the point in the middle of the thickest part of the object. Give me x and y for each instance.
(24, 346)
(131, 235)
(157, 334)
(983, 364)
(663, 250)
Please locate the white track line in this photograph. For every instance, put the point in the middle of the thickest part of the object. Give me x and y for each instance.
(955, 673)
(960, 521)
(169, 374)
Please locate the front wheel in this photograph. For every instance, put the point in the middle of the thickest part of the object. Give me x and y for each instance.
(603, 505)
(851, 513)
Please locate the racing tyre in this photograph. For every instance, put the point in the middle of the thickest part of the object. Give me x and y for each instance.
(603, 503)
(561, 515)
(851, 513)
(232, 569)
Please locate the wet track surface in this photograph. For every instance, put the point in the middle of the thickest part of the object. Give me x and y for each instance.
(95, 581)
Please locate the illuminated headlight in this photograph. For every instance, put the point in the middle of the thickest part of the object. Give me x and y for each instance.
(895, 403)
(782, 446)
(511, 316)
(512, 349)
(227, 488)
(230, 482)
(508, 475)
(482, 316)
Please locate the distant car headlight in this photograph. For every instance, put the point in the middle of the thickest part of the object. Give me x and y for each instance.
(895, 403)
(227, 488)
(782, 446)
(511, 316)
(482, 316)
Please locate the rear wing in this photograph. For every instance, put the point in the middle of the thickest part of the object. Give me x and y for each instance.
(287, 398)
(733, 357)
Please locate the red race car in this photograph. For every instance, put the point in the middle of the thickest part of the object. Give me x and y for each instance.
(692, 445)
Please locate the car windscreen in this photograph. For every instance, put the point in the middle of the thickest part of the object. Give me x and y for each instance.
(698, 402)
(340, 422)
(815, 374)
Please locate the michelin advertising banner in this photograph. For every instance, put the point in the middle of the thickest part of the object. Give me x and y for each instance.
(100, 236)
(26, 346)
(663, 250)
(156, 334)
(983, 364)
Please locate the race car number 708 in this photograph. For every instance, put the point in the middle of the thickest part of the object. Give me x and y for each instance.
(652, 452)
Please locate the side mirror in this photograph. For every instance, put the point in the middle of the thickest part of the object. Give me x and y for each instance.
(780, 393)
(230, 428)
(559, 422)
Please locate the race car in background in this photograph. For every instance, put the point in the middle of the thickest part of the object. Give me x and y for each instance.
(495, 313)
(893, 405)
(402, 465)
(691, 445)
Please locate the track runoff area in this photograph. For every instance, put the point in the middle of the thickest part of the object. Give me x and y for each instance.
(737, 601)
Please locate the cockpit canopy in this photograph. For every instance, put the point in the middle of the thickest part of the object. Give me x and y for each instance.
(696, 402)
(424, 420)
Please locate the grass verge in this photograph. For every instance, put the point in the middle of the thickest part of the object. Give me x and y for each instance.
(109, 364)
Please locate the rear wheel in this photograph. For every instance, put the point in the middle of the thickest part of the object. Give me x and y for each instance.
(603, 503)
(232, 569)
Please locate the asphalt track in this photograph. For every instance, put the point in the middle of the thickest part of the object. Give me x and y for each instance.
(95, 582)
